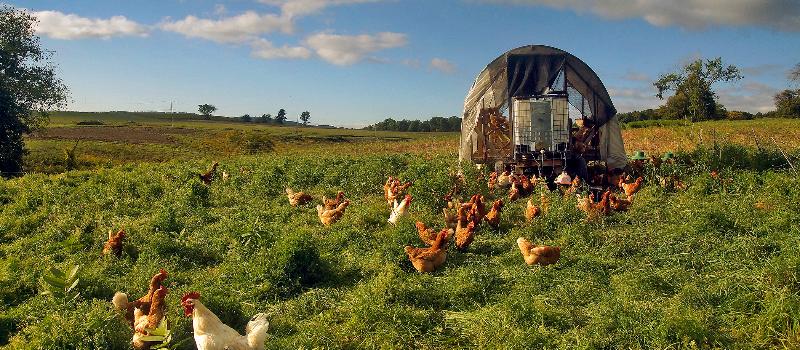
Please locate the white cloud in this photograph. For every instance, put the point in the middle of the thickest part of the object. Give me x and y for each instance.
(695, 14)
(59, 25)
(348, 49)
(413, 63)
(266, 50)
(636, 76)
(295, 8)
(749, 96)
(236, 29)
(442, 65)
(628, 99)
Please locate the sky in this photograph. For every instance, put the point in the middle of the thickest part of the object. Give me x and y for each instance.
(356, 62)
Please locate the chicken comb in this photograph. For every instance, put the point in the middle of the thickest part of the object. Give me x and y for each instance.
(190, 295)
(163, 272)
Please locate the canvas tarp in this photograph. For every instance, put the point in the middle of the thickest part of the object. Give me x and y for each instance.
(528, 71)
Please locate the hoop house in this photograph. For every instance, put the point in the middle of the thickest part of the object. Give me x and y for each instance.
(500, 121)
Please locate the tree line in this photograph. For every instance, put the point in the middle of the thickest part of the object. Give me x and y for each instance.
(694, 98)
(206, 110)
(435, 124)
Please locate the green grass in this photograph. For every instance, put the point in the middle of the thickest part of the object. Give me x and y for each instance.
(700, 268)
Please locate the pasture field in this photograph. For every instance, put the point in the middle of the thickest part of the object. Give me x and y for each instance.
(714, 266)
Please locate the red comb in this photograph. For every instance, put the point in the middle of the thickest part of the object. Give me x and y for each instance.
(190, 295)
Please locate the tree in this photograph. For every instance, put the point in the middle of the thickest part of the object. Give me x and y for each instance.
(787, 103)
(794, 74)
(281, 117)
(265, 118)
(305, 116)
(693, 88)
(28, 86)
(206, 110)
(246, 118)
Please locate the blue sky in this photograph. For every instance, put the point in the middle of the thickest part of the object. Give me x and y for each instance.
(354, 62)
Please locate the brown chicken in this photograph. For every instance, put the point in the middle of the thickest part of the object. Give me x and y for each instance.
(604, 207)
(514, 193)
(450, 219)
(575, 187)
(114, 243)
(656, 161)
(330, 216)
(492, 184)
(298, 198)
(208, 176)
(155, 313)
(526, 186)
(545, 200)
(542, 255)
(532, 211)
(431, 258)
(493, 217)
(465, 235)
(331, 204)
(588, 206)
(145, 322)
(475, 209)
(142, 304)
(394, 188)
(617, 204)
(428, 235)
(631, 188)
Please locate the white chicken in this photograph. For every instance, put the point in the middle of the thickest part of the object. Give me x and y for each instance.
(399, 209)
(211, 334)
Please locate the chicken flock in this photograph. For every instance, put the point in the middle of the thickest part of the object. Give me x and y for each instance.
(461, 222)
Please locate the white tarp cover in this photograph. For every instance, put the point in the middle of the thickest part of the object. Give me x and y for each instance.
(527, 71)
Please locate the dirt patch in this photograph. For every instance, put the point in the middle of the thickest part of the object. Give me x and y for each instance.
(124, 134)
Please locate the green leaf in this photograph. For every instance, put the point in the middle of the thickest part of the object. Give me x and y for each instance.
(55, 282)
(74, 273)
(158, 338)
(74, 284)
(57, 273)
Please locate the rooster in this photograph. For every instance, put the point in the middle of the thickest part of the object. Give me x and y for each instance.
(431, 258)
(211, 334)
(333, 203)
(532, 211)
(465, 235)
(208, 176)
(399, 209)
(630, 188)
(297, 198)
(493, 217)
(114, 243)
(542, 255)
(331, 216)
